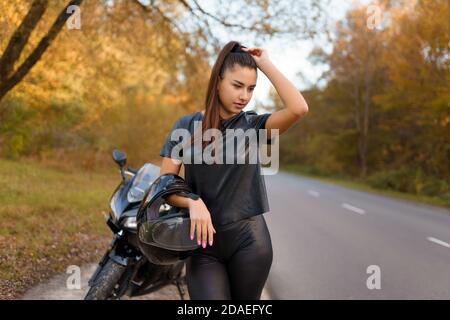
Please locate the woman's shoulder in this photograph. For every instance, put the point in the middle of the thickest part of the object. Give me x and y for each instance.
(252, 113)
(255, 120)
(185, 121)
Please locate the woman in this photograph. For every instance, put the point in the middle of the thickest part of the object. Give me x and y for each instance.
(236, 263)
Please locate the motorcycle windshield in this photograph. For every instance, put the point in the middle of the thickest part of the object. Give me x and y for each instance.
(142, 182)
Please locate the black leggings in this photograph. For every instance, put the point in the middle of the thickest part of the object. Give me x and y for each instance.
(236, 266)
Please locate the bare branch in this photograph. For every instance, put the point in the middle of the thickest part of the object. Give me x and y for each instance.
(169, 21)
(221, 21)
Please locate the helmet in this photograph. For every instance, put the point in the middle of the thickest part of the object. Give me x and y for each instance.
(164, 233)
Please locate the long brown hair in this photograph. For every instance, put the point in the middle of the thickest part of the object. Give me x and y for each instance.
(230, 55)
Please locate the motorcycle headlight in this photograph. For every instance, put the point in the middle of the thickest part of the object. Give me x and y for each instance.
(130, 223)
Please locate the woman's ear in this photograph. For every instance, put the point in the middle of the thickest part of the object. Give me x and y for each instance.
(218, 84)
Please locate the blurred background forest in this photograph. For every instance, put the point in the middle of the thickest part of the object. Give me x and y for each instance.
(381, 114)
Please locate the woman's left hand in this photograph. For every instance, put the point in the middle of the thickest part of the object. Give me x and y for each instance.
(259, 54)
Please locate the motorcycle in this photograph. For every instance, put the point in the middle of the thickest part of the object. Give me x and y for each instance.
(124, 271)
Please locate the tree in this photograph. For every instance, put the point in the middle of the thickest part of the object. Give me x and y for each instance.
(385, 105)
(10, 77)
(417, 94)
(261, 17)
(355, 63)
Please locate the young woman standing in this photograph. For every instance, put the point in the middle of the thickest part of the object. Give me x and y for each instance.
(236, 253)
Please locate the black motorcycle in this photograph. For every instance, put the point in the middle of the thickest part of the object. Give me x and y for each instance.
(124, 271)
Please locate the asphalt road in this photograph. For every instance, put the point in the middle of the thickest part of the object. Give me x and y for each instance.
(325, 238)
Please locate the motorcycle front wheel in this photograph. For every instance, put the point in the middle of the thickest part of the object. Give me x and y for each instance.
(107, 280)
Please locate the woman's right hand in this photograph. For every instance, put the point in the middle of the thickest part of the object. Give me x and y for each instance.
(201, 222)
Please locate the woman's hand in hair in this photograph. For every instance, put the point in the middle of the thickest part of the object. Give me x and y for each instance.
(259, 54)
(201, 222)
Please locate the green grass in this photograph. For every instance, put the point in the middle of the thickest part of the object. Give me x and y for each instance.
(362, 186)
(50, 218)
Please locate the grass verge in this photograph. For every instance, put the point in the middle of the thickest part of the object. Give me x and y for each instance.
(50, 219)
(361, 185)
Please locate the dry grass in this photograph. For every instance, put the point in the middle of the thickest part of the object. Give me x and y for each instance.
(50, 219)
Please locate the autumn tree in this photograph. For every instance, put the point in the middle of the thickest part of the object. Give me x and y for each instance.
(416, 98)
(382, 115)
(10, 77)
(132, 68)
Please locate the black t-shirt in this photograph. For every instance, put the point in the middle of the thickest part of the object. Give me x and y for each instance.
(231, 192)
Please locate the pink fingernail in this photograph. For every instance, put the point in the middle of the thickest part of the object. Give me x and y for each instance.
(210, 243)
(198, 242)
(204, 245)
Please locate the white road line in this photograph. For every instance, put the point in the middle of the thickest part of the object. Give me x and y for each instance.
(352, 208)
(442, 243)
(313, 193)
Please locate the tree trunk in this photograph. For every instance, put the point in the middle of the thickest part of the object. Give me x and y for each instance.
(19, 40)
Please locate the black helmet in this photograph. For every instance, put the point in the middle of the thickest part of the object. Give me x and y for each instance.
(163, 233)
